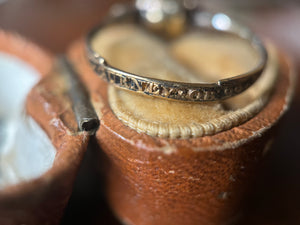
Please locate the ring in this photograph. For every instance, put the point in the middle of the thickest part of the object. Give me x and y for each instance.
(194, 92)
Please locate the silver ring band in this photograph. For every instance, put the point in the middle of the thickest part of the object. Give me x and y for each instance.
(195, 92)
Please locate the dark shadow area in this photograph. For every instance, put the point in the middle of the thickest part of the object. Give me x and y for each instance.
(87, 204)
(276, 194)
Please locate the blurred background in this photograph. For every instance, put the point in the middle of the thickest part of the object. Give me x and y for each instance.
(54, 24)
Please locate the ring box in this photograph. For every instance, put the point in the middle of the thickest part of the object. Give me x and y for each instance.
(204, 180)
(42, 199)
(150, 180)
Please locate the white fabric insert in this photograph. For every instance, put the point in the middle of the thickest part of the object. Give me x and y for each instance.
(25, 150)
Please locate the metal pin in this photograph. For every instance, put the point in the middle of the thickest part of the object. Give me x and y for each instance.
(86, 116)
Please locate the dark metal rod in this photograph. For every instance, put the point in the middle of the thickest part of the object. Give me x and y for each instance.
(84, 111)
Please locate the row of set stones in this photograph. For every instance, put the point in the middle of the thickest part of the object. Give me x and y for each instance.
(212, 93)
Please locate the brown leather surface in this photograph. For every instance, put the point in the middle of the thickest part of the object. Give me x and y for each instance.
(196, 184)
(55, 23)
(14, 44)
(42, 200)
